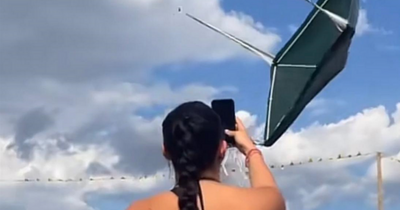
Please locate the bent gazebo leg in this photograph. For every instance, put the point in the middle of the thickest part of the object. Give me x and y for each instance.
(267, 57)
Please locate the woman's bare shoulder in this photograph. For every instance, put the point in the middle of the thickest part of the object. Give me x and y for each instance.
(269, 198)
(255, 198)
(153, 202)
(220, 196)
(140, 205)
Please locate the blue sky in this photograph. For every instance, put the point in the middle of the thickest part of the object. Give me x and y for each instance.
(114, 67)
(369, 80)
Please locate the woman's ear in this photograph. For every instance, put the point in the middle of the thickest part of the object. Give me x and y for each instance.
(222, 149)
(165, 153)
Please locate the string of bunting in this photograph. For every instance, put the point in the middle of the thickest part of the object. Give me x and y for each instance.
(127, 178)
(394, 159)
(315, 160)
(72, 180)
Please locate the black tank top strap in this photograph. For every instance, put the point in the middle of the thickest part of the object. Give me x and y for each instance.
(177, 191)
(209, 179)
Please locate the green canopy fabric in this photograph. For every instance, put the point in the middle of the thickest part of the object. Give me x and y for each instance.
(314, 55)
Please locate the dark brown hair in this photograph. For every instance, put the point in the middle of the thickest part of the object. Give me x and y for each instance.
(192, 134)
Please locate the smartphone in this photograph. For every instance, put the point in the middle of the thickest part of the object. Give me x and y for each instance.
(225, 108)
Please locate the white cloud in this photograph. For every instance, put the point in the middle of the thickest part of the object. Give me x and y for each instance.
(95, 60)
(313, 185)
(75, 77)
(320, 106)
(368, 131)
(306, 187)
(121, 38)
(74, 83)
(247, 119)
(64, 165)
(364, 26)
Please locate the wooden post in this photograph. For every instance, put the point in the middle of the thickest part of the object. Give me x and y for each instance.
(379, 180)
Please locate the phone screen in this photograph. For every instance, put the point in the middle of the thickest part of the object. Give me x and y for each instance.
(225, 108)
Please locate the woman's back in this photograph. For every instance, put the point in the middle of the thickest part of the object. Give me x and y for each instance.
(217, 196)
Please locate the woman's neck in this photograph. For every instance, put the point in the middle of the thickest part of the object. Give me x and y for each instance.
(210, 174)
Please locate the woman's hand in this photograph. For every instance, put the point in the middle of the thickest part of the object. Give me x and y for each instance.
(242, 139)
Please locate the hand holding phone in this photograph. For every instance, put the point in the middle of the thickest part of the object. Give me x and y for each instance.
(242, 139)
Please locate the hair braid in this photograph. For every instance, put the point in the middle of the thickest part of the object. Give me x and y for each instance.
(188, 172)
